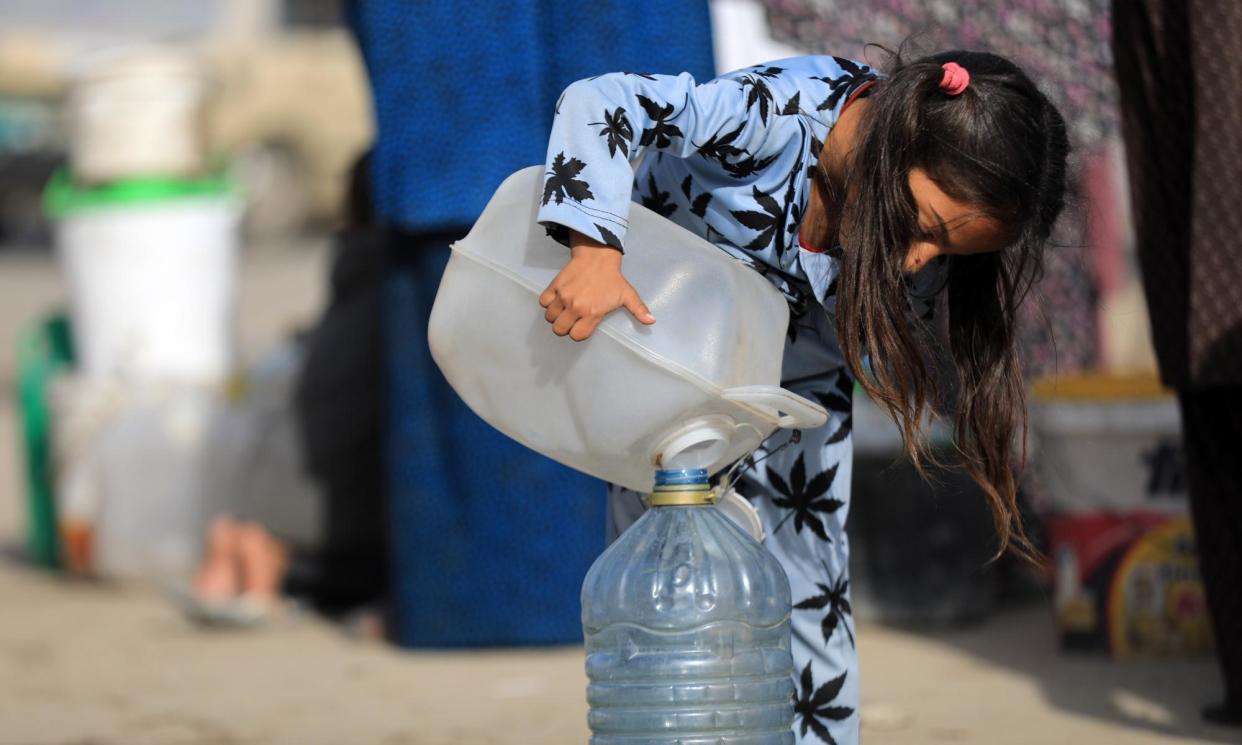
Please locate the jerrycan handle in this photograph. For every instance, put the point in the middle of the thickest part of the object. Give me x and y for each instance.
(791, 410)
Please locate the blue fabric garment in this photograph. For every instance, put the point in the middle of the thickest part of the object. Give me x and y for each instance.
(464, 92)
(490, 541)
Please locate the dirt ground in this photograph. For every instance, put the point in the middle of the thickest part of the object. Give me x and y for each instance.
(88, 664)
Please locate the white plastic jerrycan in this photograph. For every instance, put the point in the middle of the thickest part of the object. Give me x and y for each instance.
(699, 389)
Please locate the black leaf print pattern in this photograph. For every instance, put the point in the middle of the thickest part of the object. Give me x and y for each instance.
(766, 222)
(759, 94)
(795, 208)
(748, 166)
(720, 147)
(607, 236)
(660, 130)
(833, 597)
(797, 317)
(816, 148)
(804, 498)
(561, 182)
(813, 705)
(698, 205)
(656, 200)
(793, 105)
(769, 72)
(851, 76)
(616, 127)
(840, 401)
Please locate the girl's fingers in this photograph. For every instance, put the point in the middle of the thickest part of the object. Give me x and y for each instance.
(564, 322)
(555, 308)
(548, 296)
(582, 330)
(635, 305)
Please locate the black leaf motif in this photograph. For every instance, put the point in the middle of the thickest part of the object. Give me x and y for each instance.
(840, 402)
(795, 325)
(748, 166)
(759, 94)
(851, 77)
(834, 598)
(793, 105)
(766, 222)
(795, 209)
(607, 236)
(813, 705)
(561, 182)
(660, 130)
(720, 147)
(616, 127)
(698, 205)
(656, 200)
(804, 498)
(769, 72)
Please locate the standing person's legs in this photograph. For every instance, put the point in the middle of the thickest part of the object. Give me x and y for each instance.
(1212, 429)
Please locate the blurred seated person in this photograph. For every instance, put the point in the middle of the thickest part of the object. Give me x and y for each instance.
(323, 542)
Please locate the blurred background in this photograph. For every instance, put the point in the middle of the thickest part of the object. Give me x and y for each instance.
(234, 506)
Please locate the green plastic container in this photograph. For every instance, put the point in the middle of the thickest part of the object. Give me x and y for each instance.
(44, 349)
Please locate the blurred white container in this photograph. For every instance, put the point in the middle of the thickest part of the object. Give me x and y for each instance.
(151, 267)
(137, 113)
(699, 389)
(1108, 443)
(133, 475)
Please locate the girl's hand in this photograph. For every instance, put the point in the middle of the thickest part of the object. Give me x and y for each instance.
(589, 287)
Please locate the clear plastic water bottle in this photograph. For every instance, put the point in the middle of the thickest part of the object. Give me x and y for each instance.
(686, 619)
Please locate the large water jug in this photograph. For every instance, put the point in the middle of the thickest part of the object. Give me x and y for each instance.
(700, 388)
(686, 619)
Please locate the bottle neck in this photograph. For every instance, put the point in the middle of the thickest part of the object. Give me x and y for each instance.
(682, 487)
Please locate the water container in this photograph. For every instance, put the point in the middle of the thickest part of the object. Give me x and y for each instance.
(686, 620)
(700, 388)
(137, 113)
(151, 271)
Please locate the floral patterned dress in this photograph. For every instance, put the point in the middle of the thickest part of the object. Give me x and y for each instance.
(730, 160)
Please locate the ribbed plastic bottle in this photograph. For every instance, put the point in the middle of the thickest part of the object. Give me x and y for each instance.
(686, 619)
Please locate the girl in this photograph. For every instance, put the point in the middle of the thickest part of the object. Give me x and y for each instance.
(860, 196)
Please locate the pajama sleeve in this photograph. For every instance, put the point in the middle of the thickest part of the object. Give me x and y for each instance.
(603, 124)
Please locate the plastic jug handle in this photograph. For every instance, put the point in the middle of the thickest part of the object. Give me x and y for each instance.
(791, 410)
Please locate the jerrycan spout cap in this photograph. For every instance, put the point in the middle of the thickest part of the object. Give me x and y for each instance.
(682, 487)
(702, 442)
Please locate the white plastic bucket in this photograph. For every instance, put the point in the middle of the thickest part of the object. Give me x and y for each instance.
(698, 389)
(1108, 444)
(152, 282)
(137, 113)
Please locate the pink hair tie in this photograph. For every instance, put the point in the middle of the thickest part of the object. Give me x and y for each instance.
(955, 78)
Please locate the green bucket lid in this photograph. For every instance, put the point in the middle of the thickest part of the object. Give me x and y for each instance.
(63, 197)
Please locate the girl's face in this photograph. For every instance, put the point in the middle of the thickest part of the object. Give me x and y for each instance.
(949, 227)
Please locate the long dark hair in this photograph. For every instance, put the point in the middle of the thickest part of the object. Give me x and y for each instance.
(999, 145)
